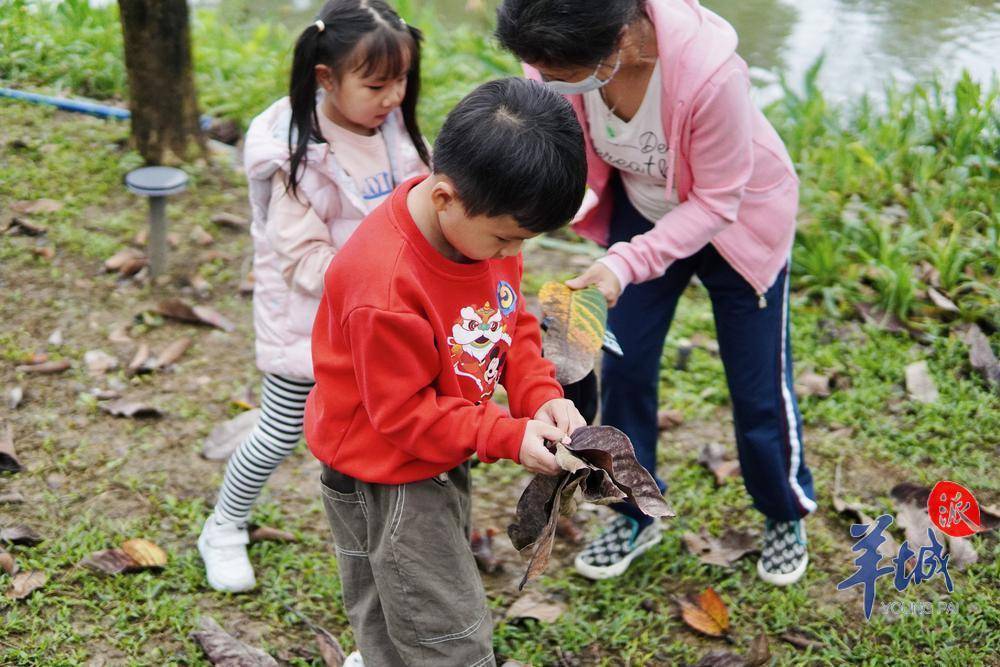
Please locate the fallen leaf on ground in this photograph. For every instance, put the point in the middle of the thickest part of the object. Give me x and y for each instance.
(722, 551)
(109, 561)
(269, 534)
(231, 220)
(799, 640)
(667, 419)
(122, 258)
(941, 301)
(912, 516)
(813, 384)
(171, 353)
(25, 583)
(7, 563)
(124, 407)
(133, 266)
(920, 384)
(99, 362)
(535, 605)
(120, 334)
(24, 227)
(760, 652)
(482, 551)
(712, 456)
(227, 436)
(55, 338)
(720, 658)
(330, 649)
(139, 361)
(145, 553)
(20, 534)
(45, 367)
(574, 332)
(200, 237)
(8, 456)
(177, 309)
(706, 613)
(244, 398)
(14, 397)
(223, 649)
(11, 498)
(981, 356)
(201, 286)
(36, 206)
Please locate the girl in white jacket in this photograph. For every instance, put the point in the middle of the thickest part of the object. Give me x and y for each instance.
(317, 161)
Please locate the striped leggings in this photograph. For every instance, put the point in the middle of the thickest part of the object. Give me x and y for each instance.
(277, 432)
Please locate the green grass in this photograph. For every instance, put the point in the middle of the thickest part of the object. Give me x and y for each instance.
(886, 187)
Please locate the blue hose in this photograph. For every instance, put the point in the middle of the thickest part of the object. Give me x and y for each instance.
(80, 106)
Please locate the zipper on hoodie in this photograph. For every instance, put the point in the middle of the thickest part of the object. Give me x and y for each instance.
(761, 300)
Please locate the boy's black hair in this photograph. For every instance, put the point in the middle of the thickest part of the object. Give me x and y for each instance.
(564, 33)
(514, 147)
(386, 39)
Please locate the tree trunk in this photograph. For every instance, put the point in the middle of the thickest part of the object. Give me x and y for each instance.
(160, 80)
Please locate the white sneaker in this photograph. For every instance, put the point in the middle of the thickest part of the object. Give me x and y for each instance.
(354, 660)
(223, 547)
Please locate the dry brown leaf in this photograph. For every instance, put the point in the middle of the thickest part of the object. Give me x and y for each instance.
(713, 605)
(132, 267)
(128, 408)
(120, 334)
(44, 251)
(221, 648)
(722, 551)
(122, 258)
(7, 563)
(760, 652)
(99, 362)
(172, 353)
(145, 553)
(227, 436)
(23, 227)
(329, 649)
(8, 456)
(36, 206)
(179, 310)
(667, 419)
(813, 384)
(920, 384)
(712, 456)
(941, 301)
(698, 618)
(535, 605)
(800, 641)
(20, 534)
(200, 237)
(109, 561)
(139, 360)
(269, 534)
(45, 367)
(981, 356)
(231, 220)
(26, 583)
(720, 658)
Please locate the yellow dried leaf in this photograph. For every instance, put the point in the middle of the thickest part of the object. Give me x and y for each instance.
(145, 553)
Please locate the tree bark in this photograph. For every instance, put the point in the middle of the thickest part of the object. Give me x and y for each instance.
(162, 95)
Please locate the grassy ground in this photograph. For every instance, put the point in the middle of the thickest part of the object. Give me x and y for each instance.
(896, 198)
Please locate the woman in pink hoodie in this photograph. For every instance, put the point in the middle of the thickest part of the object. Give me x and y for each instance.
(686, 177)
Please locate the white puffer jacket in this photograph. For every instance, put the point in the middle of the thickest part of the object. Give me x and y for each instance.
(283, 315)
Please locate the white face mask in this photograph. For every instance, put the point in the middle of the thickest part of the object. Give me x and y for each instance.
(585, 85)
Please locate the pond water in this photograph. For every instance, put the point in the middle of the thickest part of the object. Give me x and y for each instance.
(866, 42)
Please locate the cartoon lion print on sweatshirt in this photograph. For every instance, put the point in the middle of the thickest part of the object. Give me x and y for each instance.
(479, 344)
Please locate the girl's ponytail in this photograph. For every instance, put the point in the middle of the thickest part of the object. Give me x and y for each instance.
(409, 104)
(302, 97)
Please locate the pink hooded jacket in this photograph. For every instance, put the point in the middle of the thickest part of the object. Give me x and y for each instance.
(284, 301)
(735, 181)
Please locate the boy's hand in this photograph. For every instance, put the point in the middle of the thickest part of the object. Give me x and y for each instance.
(534, 455)
(601, 277)
(562, 414)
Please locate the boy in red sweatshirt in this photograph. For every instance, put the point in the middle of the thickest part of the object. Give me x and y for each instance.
(421, 317)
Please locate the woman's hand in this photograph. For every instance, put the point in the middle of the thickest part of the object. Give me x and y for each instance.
(601, 277)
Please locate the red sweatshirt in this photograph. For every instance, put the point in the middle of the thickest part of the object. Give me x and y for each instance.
(408, 347)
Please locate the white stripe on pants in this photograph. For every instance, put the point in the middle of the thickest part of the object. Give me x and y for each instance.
(273, 438)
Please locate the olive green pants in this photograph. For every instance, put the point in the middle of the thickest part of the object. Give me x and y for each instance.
(410, 584)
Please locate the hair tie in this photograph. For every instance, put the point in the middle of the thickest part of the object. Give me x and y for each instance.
(320, 26)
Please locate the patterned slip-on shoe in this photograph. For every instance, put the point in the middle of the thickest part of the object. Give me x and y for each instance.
(783, 558)
(610, 554)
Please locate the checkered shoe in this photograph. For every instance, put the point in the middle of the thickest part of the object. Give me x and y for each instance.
(616, 547)
(784, 557)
